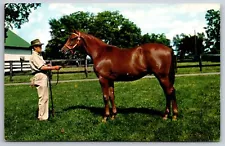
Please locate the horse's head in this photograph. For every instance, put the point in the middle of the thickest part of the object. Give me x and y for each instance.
(72, 42)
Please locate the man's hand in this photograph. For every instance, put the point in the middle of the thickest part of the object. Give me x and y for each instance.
(57, 67)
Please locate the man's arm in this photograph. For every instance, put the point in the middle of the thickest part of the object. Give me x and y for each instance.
(45, 67)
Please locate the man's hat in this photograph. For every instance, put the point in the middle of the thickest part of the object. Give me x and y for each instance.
(36, 42)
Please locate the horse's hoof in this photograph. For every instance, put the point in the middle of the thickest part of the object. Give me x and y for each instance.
(104, 120)
(165, 117)
(174, 118)
(113, 117)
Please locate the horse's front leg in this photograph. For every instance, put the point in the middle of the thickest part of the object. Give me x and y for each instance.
(112, 99)
(105, 90)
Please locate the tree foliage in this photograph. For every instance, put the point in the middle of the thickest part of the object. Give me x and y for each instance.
(17, 14)
(111, 27)
(213, 31)
(196, 45)
(155, 38)
(60, 30)
(188, 45)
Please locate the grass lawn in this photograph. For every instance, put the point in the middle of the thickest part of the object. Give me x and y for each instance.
(79, 108)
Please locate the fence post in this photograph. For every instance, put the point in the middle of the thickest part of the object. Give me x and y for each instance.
(175, 59)
(200, 62)
(11, 70)
(50, 62)
(85, 67)
(21, 62)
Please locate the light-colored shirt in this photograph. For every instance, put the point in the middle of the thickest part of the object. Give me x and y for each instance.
(36, 62)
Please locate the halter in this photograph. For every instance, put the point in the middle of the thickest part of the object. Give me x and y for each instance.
(78, 40)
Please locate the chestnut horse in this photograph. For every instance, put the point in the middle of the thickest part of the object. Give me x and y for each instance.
(114, 64)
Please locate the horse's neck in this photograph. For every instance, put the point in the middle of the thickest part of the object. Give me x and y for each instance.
(94, 47)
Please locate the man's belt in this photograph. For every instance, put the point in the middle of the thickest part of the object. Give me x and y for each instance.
(34, 73)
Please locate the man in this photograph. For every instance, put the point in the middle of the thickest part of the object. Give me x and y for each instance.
(39, 69)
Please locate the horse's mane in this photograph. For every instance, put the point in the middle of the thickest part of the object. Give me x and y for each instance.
(90, 36)
(107, 46)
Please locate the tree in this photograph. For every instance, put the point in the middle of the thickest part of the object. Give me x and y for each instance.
(189, 45)
(60, 30)
(110, 27)
(116, 30)
(155, 38)
(105, 26)
(213, 31)
(17, 14)
(177, 41)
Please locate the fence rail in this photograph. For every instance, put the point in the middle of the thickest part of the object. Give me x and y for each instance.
(206, 65)
(17, 66)
(12, 67)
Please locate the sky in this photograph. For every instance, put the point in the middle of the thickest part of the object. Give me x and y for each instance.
(170, 19)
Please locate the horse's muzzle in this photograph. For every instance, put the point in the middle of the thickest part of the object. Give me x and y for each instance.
(64, 49)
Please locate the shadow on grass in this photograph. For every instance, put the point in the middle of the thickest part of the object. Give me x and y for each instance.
(130, 110)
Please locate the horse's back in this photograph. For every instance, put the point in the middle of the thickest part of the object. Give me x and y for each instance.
(156, 47)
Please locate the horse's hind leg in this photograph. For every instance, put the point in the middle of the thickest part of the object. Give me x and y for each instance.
(169, 91)
(174, 104)
(112, 99)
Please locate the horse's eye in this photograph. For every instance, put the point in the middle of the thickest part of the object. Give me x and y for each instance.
(76, 38)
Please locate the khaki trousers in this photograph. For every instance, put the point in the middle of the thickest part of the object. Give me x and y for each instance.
(40, 80)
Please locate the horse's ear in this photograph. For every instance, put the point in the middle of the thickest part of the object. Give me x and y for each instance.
(75, 31)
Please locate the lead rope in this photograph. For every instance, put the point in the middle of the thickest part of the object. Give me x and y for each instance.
(57, 80)
(50, 89)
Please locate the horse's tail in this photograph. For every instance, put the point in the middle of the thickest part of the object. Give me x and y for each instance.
(173, 67)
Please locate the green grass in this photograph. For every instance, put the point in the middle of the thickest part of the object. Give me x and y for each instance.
(140, 103)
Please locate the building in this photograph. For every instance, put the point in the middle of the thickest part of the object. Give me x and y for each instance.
(16, 49)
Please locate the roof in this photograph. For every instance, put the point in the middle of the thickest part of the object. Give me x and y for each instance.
(13, 40)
